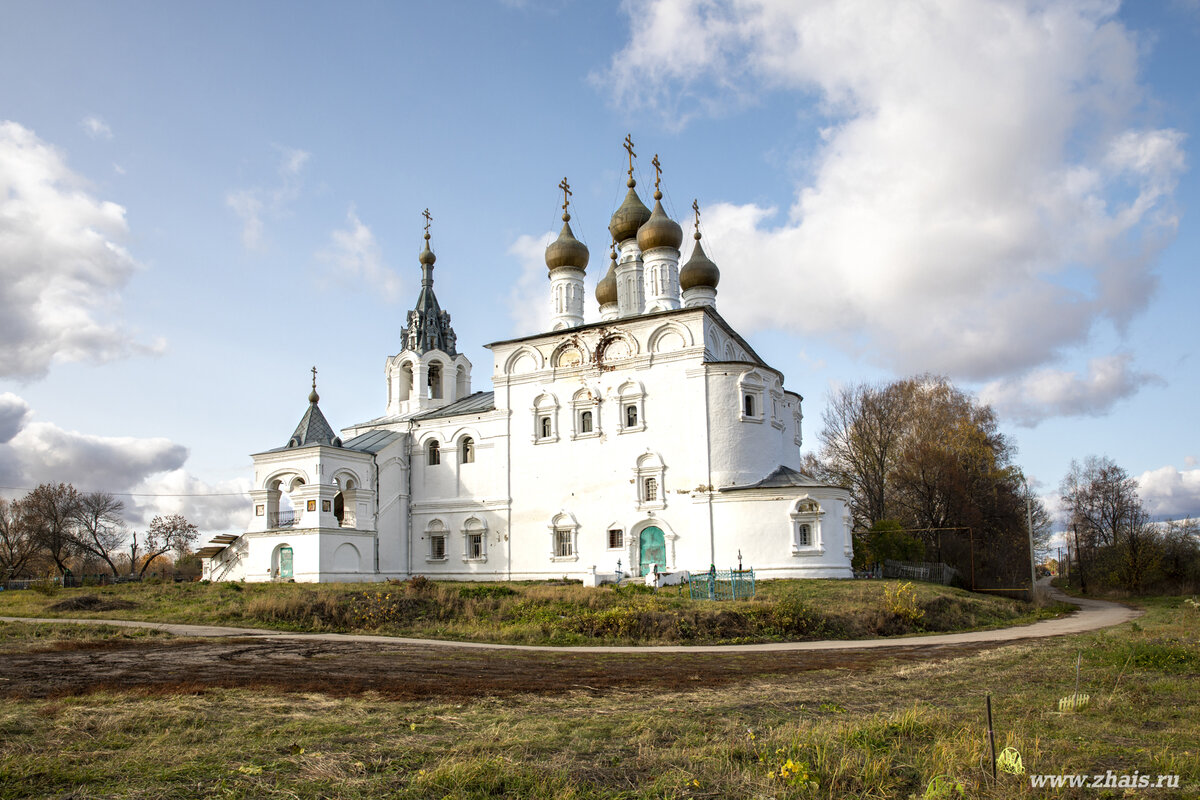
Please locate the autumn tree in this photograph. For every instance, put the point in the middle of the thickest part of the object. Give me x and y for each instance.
(1102, 508)
(49, 514)
(165, 534)
(99, 529)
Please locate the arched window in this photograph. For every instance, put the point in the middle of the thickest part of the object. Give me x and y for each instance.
(586, 406)
(433, 453)
(466, 450)
(545, 419)
(631, 416)
(648, 480)
(547, 429)
(585, 422)
(436, 533)
(752, 387)
(748, 405)
(633, 409)
(435, 381)
(650, 489)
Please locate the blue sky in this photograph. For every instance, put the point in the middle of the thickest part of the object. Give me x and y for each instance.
(201, 201)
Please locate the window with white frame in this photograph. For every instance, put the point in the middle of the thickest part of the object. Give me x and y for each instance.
(633, 407)
(474, 540)
(466, 450)
(751, 388)
(433, 453)
(436, 534)
(545, 419)
(616, 539)
(806, 528)
(648, 478)
(564, 538)
(586, 418)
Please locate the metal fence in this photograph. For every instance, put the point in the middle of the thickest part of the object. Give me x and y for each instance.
(715, 584)
(932, 572)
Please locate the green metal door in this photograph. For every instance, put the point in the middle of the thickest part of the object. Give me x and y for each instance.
(652, 550)
(285, 562)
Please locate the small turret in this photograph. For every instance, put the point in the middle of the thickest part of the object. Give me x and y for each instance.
(567, 259)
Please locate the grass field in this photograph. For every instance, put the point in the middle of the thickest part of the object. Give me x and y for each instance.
(540, 613)
(895, 730)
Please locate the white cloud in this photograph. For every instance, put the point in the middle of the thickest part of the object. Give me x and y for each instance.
(982, 198)
(96, 127)
(14, 413)
(529, 300)
(356, 257)
(1170, 492)
(61, 262)
(254, 203)
(42, 452)
(1044, 393)
(1189, 461)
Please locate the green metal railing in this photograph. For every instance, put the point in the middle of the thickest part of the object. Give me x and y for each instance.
(732, 584)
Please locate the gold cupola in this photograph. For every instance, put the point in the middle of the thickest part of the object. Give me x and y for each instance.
(606, 289)
(633, 212)
(699, 269)
(659, 230)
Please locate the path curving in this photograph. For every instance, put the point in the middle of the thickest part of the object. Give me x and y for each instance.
(1092, 615)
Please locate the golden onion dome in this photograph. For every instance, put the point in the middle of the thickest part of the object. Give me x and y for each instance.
(632, 215)
(427, 257)
(660, 230)
(699, 269)
(606, 289)
(566, 250)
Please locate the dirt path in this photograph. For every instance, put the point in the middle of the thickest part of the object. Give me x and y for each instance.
(412, 669)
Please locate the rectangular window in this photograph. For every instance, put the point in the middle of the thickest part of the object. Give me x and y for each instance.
(544, 427)
(475, 545)
(437, 546)
(804, 536)
(650, 489)
(616, 539)
(631, 416)
(562, 543)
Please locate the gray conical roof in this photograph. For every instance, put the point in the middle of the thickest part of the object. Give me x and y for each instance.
(313, 427)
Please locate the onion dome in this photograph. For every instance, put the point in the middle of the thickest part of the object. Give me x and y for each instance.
(660, 230)
(699, 269)
(606, 289)
(632, 215)
(566, 250)
(427, 257)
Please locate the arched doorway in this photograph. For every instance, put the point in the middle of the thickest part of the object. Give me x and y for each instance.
(652, 549)
(281, 563)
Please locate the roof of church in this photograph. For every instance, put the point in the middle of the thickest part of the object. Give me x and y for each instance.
(781, 478)
(313, 428)
(428, 326)
(476, 403)
(371, 441)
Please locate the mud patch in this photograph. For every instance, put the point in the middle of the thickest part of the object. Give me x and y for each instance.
(409, 672)
(91, 602)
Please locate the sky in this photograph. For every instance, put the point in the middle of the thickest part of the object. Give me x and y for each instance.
(201, 201)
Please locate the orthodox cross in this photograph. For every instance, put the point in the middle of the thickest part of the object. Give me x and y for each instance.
(566, 188)
(657, 170)
(632, 155)
(696, 208)
(428, 218)
(314, 372)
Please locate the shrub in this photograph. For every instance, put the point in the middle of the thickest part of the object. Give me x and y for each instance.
(469, 592)
(901, 601)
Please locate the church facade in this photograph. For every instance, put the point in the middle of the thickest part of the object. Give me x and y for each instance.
(653, 440)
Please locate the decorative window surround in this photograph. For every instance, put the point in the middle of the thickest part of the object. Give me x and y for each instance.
(436, 532)
(474, 533)
(585, 416)
(806, 529)
(632, 416)
(750, 397)
(648, 479)
(545, 419)
(564, 538)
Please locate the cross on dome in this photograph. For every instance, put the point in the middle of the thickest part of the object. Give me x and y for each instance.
(566, 188)
(632, 156)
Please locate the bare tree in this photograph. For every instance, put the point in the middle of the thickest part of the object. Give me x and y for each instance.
(164, 535)
(99, 527)
(17, 546)
(49, 513)
(1102, 506)
(864, 427)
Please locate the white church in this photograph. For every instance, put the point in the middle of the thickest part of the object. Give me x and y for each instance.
(653, 440)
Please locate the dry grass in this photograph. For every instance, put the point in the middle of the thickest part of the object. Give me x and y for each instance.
(539, 613)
